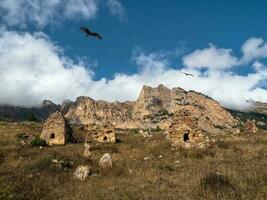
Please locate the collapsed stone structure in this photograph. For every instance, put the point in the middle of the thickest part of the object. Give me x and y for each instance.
(184, 132)
(103, 133)
(56, 130)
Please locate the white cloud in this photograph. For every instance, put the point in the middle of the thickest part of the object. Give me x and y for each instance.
(253, 48)
(211, 57)
(116, 8)
(29, 76)
(32, 69)
(41, 13)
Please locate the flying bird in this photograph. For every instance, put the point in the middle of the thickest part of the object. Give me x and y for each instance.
(90, 33)
(187, 74)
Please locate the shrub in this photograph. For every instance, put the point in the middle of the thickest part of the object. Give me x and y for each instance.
(37, 142)
(166, 168)
(32, 118)
(216, 185)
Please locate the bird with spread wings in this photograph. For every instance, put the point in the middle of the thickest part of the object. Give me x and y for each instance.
(90, 33)
(187, 74)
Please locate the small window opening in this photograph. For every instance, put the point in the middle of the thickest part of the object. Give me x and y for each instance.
(186, 136)
(52, 136)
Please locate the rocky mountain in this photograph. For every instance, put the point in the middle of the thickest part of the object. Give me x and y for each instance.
(17, 113)
(154, 108)
(259, 107)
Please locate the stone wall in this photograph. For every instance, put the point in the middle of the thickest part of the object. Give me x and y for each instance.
(56, 130)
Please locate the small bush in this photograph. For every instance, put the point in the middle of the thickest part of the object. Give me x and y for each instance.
(38, 142)
(223, 145)
(41, 165)
(166, 168)
(216, 185)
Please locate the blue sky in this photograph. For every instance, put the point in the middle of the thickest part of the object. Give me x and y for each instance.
(223, 43)
(163, 25)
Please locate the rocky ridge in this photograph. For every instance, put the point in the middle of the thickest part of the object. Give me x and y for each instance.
(154, 108)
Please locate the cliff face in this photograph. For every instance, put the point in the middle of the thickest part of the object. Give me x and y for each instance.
(16, 113)
(155, 107)
(259, 107)
(88, 111)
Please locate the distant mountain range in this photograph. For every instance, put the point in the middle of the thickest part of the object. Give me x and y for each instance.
(38, 113)
(154, 108)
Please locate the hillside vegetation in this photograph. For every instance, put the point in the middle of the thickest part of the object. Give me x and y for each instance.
(233, 168)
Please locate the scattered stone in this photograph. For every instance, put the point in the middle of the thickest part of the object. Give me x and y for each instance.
(261, 123)
(146, 158)
(56, 130)
(54, 161)
(87, 153)
(160, 156)
(250, 126)
(106, 161)
(146, 134)
(82, 172)
(62, 164)
(177, 162)
(23, 142)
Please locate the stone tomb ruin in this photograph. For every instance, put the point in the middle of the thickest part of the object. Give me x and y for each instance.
(183, 132)
(56, 130)
(104, 133)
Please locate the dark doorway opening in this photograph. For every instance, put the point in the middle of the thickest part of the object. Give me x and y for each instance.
(186, 136)
(52, 136)
(105, 138)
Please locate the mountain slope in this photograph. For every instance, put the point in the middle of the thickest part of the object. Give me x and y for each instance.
(17, 113)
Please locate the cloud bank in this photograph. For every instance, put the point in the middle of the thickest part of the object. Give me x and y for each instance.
(41, 13)
(28, 76)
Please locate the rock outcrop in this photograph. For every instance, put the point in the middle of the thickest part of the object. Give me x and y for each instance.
(87, 111)
(56, 130)
(258, 107)
(154, 108)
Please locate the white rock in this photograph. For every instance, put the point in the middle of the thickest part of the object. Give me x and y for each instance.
(82, 172)
(146, 158)
(177, 162)
(106, 161)
(87, 153)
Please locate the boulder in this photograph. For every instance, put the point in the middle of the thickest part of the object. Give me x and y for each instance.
(105, 161)
(82, 172)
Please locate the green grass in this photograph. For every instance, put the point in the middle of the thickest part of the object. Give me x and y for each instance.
(232, 169)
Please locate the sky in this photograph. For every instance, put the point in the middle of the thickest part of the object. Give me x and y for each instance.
(44, 55)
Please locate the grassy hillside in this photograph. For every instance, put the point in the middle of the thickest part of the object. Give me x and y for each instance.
(231, 169)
